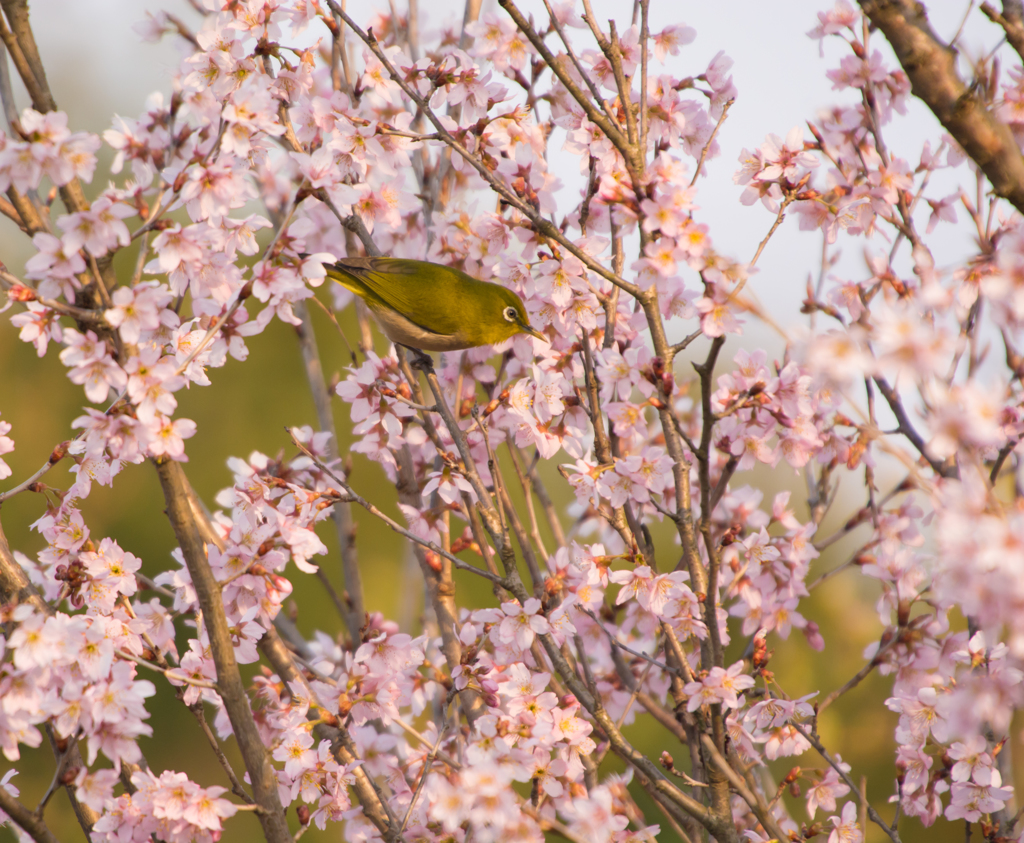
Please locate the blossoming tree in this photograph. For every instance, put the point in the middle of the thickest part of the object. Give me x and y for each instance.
(494, 722)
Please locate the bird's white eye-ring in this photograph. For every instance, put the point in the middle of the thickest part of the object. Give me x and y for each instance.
(509, 313)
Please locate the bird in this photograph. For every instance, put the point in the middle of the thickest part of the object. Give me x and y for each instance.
(427, 306)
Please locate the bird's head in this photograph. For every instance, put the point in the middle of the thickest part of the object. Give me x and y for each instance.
(506, 315)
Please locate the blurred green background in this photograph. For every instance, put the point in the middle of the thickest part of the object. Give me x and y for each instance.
(247, 409)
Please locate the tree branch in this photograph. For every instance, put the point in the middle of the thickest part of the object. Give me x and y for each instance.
(28, 822)
(229, 680)
(374, 805)
(931, 67)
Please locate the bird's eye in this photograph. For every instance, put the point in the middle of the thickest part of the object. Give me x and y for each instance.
(509, 313)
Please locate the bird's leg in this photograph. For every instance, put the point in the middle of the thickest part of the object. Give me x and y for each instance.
(420, 361)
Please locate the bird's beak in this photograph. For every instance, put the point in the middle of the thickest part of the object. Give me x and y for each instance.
(533, 332)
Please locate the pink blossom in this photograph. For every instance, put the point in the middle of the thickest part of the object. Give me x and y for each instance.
(719, 686)
(449, 484)
(846, 829)
(521, 623)
(6, 446)
(824, 793)
(671, 38)
(38, 326)
(969, 800)
(99, 230)
(56, 258)
(140, 309)
(389, 653)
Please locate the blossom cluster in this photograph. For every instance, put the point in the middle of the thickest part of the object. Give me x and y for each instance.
(492, 722)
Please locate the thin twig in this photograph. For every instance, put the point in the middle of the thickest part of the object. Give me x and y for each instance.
(861, 674)
(236, 785)
(239, 300)
(427, 764)
(812, 739)
(616, 643)
(757, 805)
(56, 456)
(707, 146)
(10, 282)
(354, 497)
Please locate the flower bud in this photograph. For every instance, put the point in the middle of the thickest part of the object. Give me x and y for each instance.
(761, 653)
(19, 292)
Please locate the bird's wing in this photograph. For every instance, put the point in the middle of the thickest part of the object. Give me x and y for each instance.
(414, 288)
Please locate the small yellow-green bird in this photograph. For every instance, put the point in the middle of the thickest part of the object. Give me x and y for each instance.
(431, 307)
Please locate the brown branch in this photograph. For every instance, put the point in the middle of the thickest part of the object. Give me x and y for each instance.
(753, 799)
(375, 807)
(9, 211)
(15, 586)
(550, 513)
(229, 680)
(92, 317)
(6, 92)
(470, 14)
(236, 786)
(719, 824)
(645, 35)
(21, 44)
(579, 67)
(707, 147)
(525, 484)
(612, 131)
(931, 67)
(1011, 22)
(32, 825)
(614, 53)
(31, 221)
(182, 29)
(488, 511)
(908, 430)
(540, 224)
(439, 585)
(398, 528)
(706, 372)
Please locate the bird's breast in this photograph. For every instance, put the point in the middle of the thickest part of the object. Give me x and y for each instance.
(399, 328)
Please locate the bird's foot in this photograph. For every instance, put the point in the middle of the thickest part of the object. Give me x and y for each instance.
(420, 361)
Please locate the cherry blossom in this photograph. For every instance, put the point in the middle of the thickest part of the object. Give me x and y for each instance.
(666, 581)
